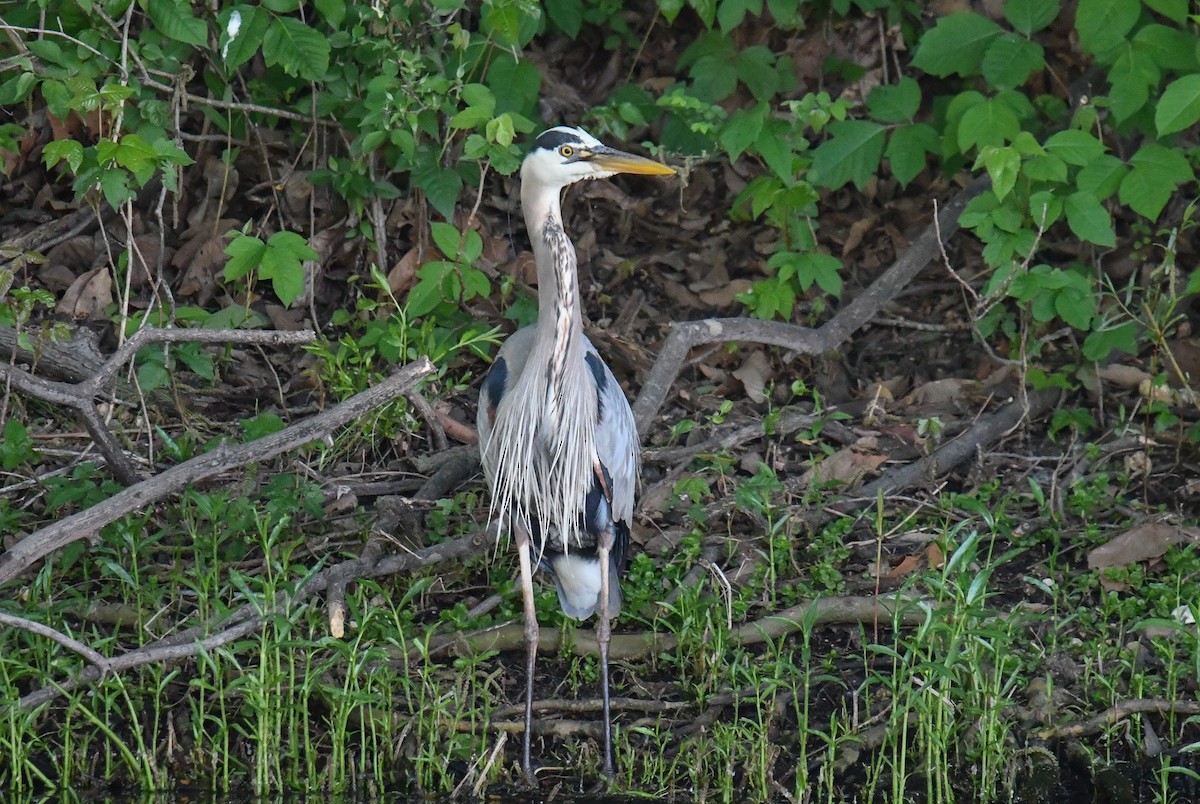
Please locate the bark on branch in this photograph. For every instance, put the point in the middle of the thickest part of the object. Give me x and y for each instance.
(687, 335)
(87, 523)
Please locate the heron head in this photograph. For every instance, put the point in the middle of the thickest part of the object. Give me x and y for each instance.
(564, 155)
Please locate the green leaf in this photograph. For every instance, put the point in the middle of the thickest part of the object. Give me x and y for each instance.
(475, 283)
(1048, 168)
(852, 153)
(989, 123)
(956, 44)
(298, 49)
(17, 89)
(906, 150)
(282, 263)
(481, 104)
(137, 156)
(770, 298)
(1045, 208)
(174, 20)
(472, 247)
(706, 10)
(1102, 177)
(264, 424)
(713, 78)
(446, 236)
(153, 375)
(1129, 93)
(441, 187)
(566, 15)
(1010, 59)
(250, 32)
(670, 9)
(293, 245)
(1003, 164)
(245, 253)
(502, 19)
(731, 12)
(59, 150)
(895, 103)
(742, 130)
(518, 84)
(501, 130)
(1157, 171)
(823, 269)
(756, 68)
(1089, 220)
(17, 447)
(1075, 147)
(334, 11)
(776, 150)
(1174, 10)
(1170, 48)
(199, 362)
(1030, 16)
(1179, 106)
(1104, 24)
(1101, 343)
(427, 294)
(115, 186)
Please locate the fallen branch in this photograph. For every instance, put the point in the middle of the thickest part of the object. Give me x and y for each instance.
(81, 396)
(249, 617)
(971, 442)
(687, 335)
(87, 523)
(1115, 714)
(628, 647)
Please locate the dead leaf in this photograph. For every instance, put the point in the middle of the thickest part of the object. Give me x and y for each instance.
(951, 392)
(1124, 376)
(845, 466)
(726, 295)
(88, 295)
(754, 374)
(907, 566)
(204, 259)
(935, 556)
(1140, 543)
(284, 319)
(1138, 463)
(858, 230)
(66, 261)
(147, 253)
(404, 273)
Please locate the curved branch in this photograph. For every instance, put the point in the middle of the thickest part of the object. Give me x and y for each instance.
(687, 335)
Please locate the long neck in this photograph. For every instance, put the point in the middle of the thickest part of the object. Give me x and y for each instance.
(560, 321)
(558, 278)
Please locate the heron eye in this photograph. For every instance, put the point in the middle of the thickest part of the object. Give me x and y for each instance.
(566, 151)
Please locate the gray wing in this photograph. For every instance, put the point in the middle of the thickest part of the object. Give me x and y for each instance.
(499, 380)
(616, 436)
(616, 433)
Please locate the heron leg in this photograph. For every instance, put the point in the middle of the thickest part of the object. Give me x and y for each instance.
(531, 642)
(603, 635)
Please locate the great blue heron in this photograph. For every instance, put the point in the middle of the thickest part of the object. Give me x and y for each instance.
(556, 435)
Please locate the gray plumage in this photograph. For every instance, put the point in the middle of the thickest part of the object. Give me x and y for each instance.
(556, 434)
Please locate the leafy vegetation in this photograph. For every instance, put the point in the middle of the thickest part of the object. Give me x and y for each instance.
(325, 165)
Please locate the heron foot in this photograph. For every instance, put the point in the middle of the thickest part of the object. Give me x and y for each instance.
(528, 776)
